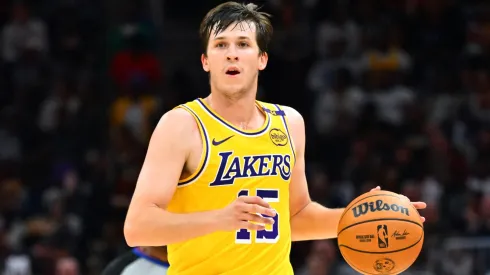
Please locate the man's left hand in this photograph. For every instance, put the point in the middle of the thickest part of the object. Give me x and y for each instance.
(417, 204)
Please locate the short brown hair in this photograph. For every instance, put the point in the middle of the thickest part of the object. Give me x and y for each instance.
(222, 16)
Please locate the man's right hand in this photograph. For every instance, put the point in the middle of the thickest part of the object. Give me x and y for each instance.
(243, 214)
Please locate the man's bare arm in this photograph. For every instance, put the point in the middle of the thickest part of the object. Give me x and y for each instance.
(147, 222)
(309, 220)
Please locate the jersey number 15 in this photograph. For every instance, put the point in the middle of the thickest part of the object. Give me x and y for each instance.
(243, 236)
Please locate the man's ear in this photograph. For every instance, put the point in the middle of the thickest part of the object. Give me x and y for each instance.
(263, 58)
(204, 61)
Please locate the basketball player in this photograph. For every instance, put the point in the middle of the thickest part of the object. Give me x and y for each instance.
(142, 260)
(223, 183)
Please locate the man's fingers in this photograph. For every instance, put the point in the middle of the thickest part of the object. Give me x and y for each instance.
(255, 200)
(257, 205)
(257, 209)
(256, 218)
(251, 226)
(419, 204)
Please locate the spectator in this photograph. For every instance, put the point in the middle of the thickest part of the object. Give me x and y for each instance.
(20, 33)
(135, 64)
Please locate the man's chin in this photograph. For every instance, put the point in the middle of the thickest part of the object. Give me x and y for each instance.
(233, 89)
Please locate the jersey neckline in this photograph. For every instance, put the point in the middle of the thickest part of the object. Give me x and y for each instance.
(229, 125)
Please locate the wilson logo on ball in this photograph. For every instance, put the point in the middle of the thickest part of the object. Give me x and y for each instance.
(363, 209)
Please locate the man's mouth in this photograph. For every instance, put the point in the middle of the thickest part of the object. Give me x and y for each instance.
(232, 71)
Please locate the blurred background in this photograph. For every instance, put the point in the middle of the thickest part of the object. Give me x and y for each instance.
(394, 93)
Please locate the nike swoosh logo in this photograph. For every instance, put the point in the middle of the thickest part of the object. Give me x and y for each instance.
(216, 143)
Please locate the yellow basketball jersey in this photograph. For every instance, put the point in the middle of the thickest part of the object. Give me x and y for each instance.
(235, 162)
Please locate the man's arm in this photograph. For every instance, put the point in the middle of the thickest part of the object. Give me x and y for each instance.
(147, 222)
(309, 220)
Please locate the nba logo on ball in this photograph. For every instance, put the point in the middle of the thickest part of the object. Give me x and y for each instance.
(382, 236)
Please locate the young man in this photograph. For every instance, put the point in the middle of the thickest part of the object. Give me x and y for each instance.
(223, 183)
(141, 260)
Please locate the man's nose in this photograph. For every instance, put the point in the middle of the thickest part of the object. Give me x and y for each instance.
(231, 54)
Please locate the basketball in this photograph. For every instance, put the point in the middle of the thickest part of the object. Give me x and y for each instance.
(380, 232)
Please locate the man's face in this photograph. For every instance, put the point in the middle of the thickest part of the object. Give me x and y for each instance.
(233, 59)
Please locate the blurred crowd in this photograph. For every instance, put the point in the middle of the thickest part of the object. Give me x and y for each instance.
(394, 93)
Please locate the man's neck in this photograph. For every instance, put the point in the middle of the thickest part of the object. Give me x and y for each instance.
(242, 111)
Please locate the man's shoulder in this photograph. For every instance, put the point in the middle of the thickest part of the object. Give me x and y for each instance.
(176, 126)
(177, 119)
(290, 112)
(296, 124)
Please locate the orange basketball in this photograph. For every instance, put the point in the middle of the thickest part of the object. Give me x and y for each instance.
(380, 233)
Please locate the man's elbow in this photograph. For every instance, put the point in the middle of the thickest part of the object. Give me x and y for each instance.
(130, 234)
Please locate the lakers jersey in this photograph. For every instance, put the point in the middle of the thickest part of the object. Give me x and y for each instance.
(236, 163)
